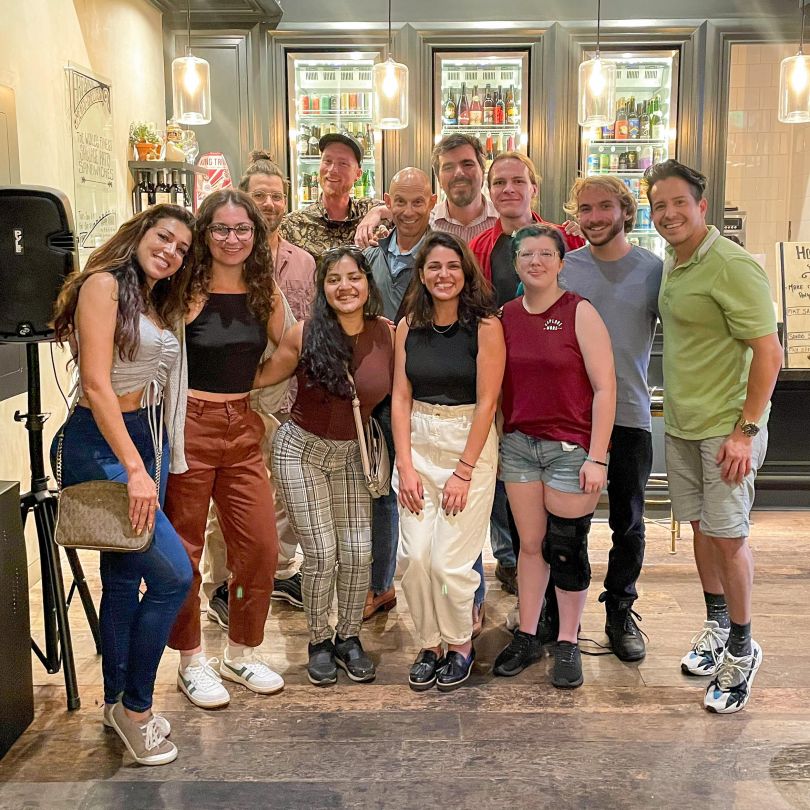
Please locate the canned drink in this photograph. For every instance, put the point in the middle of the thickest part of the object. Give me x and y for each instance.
(344, 102)
(593, 164)
(614, 160)
(657, 155)
(632, 160)
(325, 103)
(645, 220)
(604, 163)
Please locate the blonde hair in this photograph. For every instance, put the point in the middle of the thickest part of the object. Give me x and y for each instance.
(612, 185)
(526, 161)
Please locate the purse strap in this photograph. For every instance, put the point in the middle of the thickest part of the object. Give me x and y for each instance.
(358, 424)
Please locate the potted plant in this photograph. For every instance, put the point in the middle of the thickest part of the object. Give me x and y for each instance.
(144, 137)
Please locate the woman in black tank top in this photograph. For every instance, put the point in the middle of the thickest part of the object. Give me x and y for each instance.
(449, 362)
(233, 308)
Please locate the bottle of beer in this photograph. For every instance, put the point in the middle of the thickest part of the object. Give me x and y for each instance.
(511, 107)
(644, 130)
(463, 108)
(489, 149)
(450, 109)
(622, 126)
(633, 123)
(656, 119)
(489, 106)
(500, 108)
(476, 111)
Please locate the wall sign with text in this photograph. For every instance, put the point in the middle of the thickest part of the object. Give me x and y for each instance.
(794, 268)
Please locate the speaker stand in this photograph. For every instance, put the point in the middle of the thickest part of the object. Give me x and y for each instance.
(43, 503)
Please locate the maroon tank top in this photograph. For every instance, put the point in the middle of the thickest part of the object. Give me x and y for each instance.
(546, 390)
(320, 412)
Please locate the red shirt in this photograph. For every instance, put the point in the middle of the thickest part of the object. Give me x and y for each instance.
(546, 390)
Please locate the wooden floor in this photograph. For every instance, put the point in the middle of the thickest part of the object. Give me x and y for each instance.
(634, 736)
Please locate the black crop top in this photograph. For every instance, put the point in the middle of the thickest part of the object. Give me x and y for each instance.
(224, 344)
(442, 366)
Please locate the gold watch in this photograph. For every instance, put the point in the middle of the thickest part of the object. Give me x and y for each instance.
(749, 429)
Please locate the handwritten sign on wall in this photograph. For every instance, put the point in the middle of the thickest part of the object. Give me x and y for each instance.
(794, 267)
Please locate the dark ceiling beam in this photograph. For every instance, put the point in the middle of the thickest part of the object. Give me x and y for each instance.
(220, 13)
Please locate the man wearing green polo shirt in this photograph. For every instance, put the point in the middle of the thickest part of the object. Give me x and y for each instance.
(721, 360)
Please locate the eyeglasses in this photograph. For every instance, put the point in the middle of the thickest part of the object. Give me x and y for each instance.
(221, 232)
(261, 196)
(543, 255)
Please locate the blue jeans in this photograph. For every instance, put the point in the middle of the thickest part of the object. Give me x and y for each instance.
(500, 528)
(134, 628)
(385, 517)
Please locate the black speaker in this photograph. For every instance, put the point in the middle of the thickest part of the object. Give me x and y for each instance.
(37, 251)
(16, 685)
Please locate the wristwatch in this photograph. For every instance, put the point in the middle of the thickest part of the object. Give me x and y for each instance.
(749, 429)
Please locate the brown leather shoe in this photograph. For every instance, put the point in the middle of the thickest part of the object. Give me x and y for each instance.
(478, 616)
(379, 602)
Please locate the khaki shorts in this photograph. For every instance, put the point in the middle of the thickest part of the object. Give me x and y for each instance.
(699, 493)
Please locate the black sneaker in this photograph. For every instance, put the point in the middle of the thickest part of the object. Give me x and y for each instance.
(455, 671)
(321, 669)
(351, 657)
(425, 670)
(507, 576)
(289, 590)
(218, 606)
(626, 639)
(567, 672)
(521, 651)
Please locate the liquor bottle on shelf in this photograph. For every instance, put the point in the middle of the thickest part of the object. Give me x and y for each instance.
(302, 142)
(143, 195)
(489, 107)
(176, 191)
(511, 106)
(162, 194)
(450, 109)
(633, 122)
(500, 108)
(463, 108)
(622, 126)
(657, 119)
(476, 111)
(314, 137)
(644, 129)
(489, 151)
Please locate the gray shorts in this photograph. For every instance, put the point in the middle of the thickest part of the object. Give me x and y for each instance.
(699, 493)
(524, 459)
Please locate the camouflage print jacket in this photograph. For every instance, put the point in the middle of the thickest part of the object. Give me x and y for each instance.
(312, 230)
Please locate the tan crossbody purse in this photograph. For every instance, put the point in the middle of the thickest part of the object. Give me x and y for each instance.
(373, 449)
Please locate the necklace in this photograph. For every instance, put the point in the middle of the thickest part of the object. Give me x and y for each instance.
(443, 330)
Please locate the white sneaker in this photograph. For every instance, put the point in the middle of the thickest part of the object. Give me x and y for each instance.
(161, 723)
(251, 670)
(731, 686)
(201, 683)
(707, 650)
(513, 618)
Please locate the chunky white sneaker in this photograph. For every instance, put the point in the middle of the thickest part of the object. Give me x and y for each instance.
(161, 723)
(251, 670)
(707, 650)
(731, 686)
(201, 684)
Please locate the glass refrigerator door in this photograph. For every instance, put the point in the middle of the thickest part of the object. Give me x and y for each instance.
(483, 94)
(645, 131)
(330, 92)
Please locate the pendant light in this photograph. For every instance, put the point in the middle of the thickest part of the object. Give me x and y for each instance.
(191, 85)
(597, 86)
(794, 83)
(389, 81)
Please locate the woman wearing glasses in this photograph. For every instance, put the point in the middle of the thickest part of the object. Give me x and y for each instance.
(232, 308)
(559, 399)
(449, 367)
(316, 457)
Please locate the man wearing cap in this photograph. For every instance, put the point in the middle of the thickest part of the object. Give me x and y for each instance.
(334, 218)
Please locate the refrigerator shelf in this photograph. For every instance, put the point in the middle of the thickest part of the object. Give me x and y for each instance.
(507, 129)
(626, 141)
(309, 115)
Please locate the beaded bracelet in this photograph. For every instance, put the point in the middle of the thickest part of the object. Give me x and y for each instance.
(467, 480)
(467, 464)
(594, 461)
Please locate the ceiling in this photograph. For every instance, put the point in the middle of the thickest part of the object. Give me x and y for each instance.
(219, 13)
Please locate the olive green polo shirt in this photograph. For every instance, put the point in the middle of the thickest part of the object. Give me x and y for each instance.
(709, 306)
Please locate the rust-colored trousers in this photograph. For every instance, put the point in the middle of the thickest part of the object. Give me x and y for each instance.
(224, 457)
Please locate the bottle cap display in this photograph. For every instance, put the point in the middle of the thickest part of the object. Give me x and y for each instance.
(342, 137)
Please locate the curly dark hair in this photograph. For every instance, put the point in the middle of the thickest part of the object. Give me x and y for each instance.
(477, 299)
(117, 257)
(327, 350)
(258, 269)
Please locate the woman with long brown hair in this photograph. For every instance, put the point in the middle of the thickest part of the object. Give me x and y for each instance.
(116, 316)
(232, 308)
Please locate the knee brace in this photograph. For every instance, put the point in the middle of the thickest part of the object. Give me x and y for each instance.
(565, 549)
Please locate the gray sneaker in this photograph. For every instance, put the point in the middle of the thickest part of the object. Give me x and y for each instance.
(218, 606)
(163, 725)
(144, 742)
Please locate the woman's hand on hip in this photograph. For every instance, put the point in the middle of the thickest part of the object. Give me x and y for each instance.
(143, 501)
(411, 491)
(454, 495)
(592, 477)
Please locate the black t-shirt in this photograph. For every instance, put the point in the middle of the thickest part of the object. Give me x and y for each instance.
(504, 276)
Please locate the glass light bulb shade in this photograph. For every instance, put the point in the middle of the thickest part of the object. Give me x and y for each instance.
(389, 81)
(597, 93)
(191, 90)
(794, 90)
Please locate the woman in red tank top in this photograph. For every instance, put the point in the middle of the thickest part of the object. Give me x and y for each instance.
(559, 400)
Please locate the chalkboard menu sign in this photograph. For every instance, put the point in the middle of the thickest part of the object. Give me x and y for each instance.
(794, 266)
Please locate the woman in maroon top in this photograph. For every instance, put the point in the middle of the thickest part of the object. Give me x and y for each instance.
(559, 400)
(316, 456)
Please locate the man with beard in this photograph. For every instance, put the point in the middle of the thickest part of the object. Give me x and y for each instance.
(622, 281)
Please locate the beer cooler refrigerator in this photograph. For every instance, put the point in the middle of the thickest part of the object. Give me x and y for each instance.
(645, 131)
(330, 92)
(483, 93)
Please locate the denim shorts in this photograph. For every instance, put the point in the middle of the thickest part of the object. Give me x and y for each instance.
(524, 459)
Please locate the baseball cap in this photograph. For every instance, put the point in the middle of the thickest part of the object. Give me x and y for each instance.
(344, 138)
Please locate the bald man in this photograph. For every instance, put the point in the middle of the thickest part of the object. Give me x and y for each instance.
(410, 201)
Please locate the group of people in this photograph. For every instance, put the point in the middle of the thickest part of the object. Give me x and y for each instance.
(251, 331)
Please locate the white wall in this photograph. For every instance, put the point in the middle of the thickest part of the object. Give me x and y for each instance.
(117, 39)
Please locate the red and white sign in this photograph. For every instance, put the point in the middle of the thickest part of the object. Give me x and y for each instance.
(217, 176)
